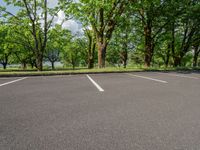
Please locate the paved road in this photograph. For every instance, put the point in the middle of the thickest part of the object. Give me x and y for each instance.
(136, 111)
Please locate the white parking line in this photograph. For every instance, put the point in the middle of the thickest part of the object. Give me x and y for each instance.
(182, 76)
(13, 81)
(97, 86)
(148, 78)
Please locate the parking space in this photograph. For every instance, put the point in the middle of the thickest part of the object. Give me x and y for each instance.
(183, 75)
(178, 80)
(195, 75)
(140, 110)
(5, 80)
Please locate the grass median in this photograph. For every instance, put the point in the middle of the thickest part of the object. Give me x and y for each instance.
(20, 73)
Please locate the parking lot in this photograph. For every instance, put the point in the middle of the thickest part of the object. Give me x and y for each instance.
(119, 111)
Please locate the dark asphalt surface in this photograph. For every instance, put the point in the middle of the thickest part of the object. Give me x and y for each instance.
(69, 113)
(4, 80)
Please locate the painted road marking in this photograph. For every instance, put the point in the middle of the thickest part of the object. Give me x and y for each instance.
(95, 84)
(13, 81)
(148, 78)
(182, 76)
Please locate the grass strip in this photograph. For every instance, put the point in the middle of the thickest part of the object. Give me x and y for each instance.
(89, 71)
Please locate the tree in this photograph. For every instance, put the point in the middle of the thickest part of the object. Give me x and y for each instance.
(183, 26)
(5, 47)
(103, 19)
(23, 56)
(19, 37)
(72, 53)
(123, 38)
(152, 32)
(151, 15)
(34, 16)
(4, 57)
(57, 38)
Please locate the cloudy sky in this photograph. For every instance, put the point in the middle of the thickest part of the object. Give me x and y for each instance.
(69, 24)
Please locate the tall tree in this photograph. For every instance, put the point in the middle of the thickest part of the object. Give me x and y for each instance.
(57, 39)
(71, 53)
(102, 18)
(196, 48)
(37, 18)
(150, 14)
(6, 48)
(183, 25)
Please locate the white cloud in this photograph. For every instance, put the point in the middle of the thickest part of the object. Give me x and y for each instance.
(61, 17)
(52, 3)
(71, 25)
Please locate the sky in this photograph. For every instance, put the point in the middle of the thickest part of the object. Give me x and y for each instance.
(11, 9)
(72, 25)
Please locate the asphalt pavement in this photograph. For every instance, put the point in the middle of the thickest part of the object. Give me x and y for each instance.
(121, 111)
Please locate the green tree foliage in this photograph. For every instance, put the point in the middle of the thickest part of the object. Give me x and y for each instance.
(137, 32)
(72, 53)
(102, 18)
(58, 37)
(6, 48)
(34, 16)
(122, 41)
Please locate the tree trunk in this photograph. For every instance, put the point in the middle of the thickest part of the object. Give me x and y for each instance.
(24, 65)
(177, 61)
(149, 45)
(148, 55)
(73, 62)
(73, 66)
(90, 63)
(52, 65)
(32, 65)
(91, 60)
(168, 56)
(4, 65)
(195, 57)
(39, 62)
(102, 55)
(125, 50)
(5, 61)
(91, 49)
(124, 57)
(125, 61)
(195, 60)
(175, 57)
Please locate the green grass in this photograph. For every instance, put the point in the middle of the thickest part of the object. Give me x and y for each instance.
(30, 72)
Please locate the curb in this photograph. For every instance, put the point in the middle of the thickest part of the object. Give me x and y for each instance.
(103, 72)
